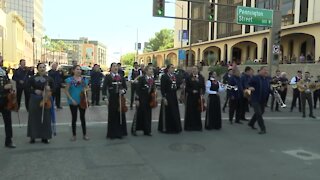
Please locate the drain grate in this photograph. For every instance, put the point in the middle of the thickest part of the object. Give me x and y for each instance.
(302, 154)
(187, 147)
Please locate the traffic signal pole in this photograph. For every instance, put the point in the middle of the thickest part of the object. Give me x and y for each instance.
(274, 42)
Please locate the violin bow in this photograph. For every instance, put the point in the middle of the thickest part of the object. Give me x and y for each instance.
(43, 98)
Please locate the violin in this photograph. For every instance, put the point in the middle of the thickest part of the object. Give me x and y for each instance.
(46, 101)
(84, 103)
(123, 105)
(12, 104)
(153, 100)
(202, 104)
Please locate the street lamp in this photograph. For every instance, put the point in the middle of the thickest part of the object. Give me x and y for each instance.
(181, 30)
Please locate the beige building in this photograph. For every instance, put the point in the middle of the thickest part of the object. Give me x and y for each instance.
(3, 30)
(300, 35)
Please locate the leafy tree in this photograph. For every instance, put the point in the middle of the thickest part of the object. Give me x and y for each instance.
(163, 40)
(128, 59)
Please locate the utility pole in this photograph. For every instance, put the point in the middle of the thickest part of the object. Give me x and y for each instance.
(190, 43)
(33, 43)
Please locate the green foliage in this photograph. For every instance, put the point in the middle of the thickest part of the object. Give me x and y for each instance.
(220, 70)
(128, 59)
(163, 40)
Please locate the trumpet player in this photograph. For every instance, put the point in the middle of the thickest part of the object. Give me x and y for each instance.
(306, 87)
(296, 92)
(235, 96)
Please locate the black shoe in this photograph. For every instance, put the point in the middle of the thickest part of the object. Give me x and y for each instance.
(134, 133)
(10, 145)
(262, 132)
(312, 116)
(45, 141)
(291, 110)
(32, 141)
(238, 122)
(252, 126)
(223, 110)
(303, 115)
(59, 107)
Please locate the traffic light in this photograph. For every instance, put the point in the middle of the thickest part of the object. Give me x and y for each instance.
(158, 8)
(277, 37)
(211, 12)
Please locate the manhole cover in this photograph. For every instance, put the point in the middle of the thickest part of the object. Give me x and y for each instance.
(302, 154)
(187, 147)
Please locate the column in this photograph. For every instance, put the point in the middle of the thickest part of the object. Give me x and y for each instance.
(311, 10)
(296, 11)
(215, 25)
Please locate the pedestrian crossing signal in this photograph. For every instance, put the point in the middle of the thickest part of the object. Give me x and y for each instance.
(158, 8)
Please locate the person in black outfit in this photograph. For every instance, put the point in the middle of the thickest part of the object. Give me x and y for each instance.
(225, 80)
(235, 96)
(95, 82)
(260, 87)
(5, 87)
(244, 102)
(133, 76)
(316, 94)
(57, 79)
(120, 70)
(306, 94)
(275, 80)
(21, 77)
(296, 92)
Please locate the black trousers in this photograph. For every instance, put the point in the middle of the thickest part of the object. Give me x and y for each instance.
(133, 90)
(234, 107)
(6, 114)
(226, 102)
(316, 97)
(95, 94)
(244, 107)
(306, 97)
(26, 97)
(57, 96)
(74, 113)
(258, 108)
(296, 95)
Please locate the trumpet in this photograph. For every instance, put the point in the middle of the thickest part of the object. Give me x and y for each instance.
(278, 98)
(229, 87)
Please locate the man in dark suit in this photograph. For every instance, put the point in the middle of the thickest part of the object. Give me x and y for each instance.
(56, 75)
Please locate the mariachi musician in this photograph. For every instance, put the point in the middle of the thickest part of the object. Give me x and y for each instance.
(236, 95)
(316, 93)
(114, 85)
(133, 76)
(305, 86)
(39, 119)
(146, 99)
(296, 92)
(195, 89)
(284, 86)
(169, 118)
(5, 87)
(275, 82)
(75, 90)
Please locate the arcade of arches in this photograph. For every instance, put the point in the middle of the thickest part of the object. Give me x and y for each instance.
(298, 44)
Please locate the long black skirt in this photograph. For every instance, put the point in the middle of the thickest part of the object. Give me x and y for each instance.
(37, 128)
(116, 128)
(213, 114)
(142, 118)
(192, 120)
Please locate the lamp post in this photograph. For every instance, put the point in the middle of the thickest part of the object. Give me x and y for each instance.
(181, 30)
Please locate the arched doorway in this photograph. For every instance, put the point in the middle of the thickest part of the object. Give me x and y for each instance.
(244, 51)
(211, 55)
(159, 61)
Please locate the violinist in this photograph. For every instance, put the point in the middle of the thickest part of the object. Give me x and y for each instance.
(39, 119)
(21, 77)
(114, 85)
(169, 119)
(145, 99)
(213, 114)
(195, 89)
(75, 86)
(5, 86)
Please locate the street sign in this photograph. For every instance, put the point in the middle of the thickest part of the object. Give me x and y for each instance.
(182, 55)
(185, 35)
(254, 16)
(276, 49)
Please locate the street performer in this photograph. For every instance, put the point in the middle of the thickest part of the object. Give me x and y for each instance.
(114, 85)
(195, 89)
(145, 101)
(296, 93)
(133, 76)
(169, 118)
(5, 87)
(305, 86)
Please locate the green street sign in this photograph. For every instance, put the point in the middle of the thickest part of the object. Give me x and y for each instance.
(254, 16)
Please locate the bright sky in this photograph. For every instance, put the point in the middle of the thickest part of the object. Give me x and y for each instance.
(113, 22)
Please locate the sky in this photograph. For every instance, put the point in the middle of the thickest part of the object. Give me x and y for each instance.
(113, 22)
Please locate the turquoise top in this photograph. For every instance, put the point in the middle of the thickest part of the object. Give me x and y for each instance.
(76, 88)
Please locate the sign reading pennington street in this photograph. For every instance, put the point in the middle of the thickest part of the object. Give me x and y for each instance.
(254, 16)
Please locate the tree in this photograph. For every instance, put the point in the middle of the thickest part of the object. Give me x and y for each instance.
(163, 40)
(128, 59)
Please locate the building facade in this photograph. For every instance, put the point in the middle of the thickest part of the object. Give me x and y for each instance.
(300, 37)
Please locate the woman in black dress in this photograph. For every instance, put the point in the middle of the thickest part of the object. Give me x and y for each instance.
(213, 114)
(39, 120)
(115, 87)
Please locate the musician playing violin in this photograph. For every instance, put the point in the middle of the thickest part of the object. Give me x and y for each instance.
(39, 119)
(114, 85)
(75, 87)
(145, 101)
(5, 86)
(195, 89)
